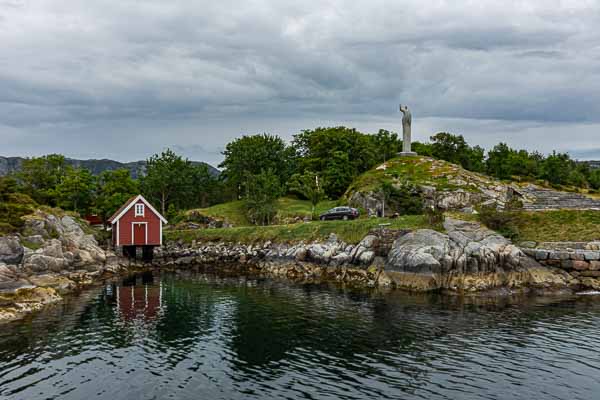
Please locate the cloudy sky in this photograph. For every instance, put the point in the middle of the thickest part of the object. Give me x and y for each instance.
(123, 79)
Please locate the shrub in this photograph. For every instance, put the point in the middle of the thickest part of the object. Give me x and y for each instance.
(404, 199)
(434, 216)
(504, 223)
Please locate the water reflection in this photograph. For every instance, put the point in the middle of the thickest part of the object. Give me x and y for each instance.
(187, 336)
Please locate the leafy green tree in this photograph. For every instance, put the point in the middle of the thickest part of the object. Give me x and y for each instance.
(262, 192)
(386, 144)
(339, 154)
(497, 161)
(557, 168)
(422, 149)
(76, 190)
(172, 180)
(203, 188)
(504, 162)
(8, 186)
(167, 180)
(39, 177)
(309, 186)
(251, 155)
(114, 188)
(338, 174)
(594, 179)
(454, 148)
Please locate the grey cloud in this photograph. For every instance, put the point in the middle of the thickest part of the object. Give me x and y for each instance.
(107, 64)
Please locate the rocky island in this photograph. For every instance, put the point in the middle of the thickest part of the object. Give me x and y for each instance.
(55, 253)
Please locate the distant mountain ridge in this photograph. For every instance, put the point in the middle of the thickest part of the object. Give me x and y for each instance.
(9, 165)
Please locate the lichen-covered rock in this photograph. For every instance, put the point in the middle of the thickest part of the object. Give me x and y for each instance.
(11, 250)
(469, 257)
(419, 252)
(7, 273)
(59, 283)
(39, 263)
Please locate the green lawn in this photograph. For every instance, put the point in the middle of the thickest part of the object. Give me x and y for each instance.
(287, 209)
(349, 231)
(556, 226)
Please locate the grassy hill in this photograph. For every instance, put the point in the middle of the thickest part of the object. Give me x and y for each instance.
(419, 170)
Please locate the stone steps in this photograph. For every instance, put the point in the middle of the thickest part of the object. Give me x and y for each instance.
(547, 199)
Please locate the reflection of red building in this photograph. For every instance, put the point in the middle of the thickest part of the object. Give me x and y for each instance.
(134, 301)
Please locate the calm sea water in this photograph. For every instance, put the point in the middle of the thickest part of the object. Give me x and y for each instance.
(194, 336)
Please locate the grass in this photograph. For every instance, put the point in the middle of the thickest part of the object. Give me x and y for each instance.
(232, 211)
(415, 170)
(30, 245)
(13, 208)
(288, 208)
(348, 231)
(557, 226)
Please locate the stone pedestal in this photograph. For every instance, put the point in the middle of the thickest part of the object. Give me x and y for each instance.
(407, 154)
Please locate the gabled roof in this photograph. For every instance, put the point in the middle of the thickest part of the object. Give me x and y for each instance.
(128, 204)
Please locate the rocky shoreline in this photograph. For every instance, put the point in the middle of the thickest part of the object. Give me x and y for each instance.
(468, 258)
(54, 256)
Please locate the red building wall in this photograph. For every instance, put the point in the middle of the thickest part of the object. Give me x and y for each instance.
(125, 236)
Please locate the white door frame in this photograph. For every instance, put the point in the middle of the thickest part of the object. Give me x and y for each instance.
(133, 232)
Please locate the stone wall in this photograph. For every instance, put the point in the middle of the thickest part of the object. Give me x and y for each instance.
(581, 260)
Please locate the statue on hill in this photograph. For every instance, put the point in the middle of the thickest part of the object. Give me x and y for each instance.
(406, 125)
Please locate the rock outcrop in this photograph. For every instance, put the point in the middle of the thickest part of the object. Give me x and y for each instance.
(11, 250)
(52, 256)
(441, 184)
(469, 257)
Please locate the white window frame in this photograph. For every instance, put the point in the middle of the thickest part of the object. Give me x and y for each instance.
(140, 209)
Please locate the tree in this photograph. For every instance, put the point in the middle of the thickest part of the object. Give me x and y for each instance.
(204, 189)
(557, 168)
(338, 154)
(39, 177)
(309, 186)
(386, 144)
(114, 188)
(166, 180)
(454, 148)
(262, 192)
(594, 179)
(338, 174)
(504, 162)
(8, 186)
(76, 190)
(251, 155)
(497, 161)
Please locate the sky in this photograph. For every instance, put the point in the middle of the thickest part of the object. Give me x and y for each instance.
(124, 79)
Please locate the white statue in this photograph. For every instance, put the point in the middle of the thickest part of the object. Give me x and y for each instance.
(406, 125)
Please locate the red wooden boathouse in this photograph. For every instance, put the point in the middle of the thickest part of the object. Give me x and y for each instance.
(137, 224)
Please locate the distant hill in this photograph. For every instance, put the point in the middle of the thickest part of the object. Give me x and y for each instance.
(9, 165)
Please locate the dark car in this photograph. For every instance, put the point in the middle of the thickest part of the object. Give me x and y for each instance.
(340, 213)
